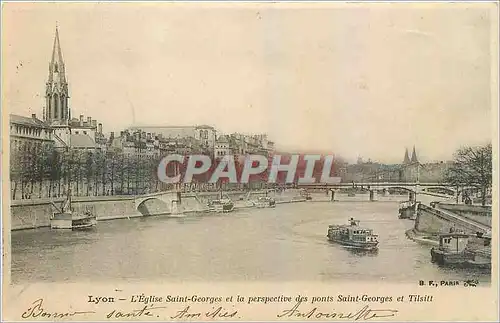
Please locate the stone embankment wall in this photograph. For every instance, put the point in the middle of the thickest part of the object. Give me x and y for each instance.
(475, 212)
(433, 221)
(28, 214)
(430, 221)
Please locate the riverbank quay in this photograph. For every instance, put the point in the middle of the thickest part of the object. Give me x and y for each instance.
(36, 213)
(422, 238)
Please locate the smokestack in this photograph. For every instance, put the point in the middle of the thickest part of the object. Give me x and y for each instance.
(81, 120)
(89, 120)
(112, 135)
(94, 123)
(33, 115)
(100, 128)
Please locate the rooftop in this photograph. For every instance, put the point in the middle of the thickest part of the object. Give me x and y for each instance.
(29, 121)
(81, 141)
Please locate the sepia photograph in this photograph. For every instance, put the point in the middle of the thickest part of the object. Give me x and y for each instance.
(241, 143)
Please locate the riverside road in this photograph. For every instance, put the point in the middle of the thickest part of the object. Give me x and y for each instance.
(287, 243)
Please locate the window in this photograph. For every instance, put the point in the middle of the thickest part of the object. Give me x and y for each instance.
(85, 132)
(76, 132)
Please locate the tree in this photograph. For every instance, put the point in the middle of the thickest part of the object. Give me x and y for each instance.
(472, 167)
(55, 170)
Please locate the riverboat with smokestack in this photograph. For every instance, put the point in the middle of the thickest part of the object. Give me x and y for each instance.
(221, 205)
(353, 236)
(69, 219)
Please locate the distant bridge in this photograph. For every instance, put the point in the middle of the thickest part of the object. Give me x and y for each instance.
(415, 187)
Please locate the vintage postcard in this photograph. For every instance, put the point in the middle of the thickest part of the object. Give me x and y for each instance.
(252, 161)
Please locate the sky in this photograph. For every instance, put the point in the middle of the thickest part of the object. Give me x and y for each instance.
(354, 80)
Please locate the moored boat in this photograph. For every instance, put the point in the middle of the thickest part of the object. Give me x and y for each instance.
(352, 235)
(69, 219)
(457, 250)
(221, 205)
(305, 194)
(407, 210)
(265, 201)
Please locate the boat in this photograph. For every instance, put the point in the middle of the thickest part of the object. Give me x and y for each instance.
(352, 235)
(69, 219)
(407, 210)
(221, 205)
(456, 250)
(265, 201)
(305, 194)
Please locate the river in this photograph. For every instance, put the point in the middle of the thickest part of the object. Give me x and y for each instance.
(287, 243)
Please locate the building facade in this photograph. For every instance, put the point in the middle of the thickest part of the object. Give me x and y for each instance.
(28, 134)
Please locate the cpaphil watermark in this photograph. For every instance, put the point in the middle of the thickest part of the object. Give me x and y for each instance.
(302, 169)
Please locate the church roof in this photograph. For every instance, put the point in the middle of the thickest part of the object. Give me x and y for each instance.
(59, 142)
(81, 141)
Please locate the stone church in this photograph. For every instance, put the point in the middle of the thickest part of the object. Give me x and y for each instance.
(57, 126)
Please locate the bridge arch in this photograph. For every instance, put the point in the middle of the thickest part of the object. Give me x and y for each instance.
(152, 206)
(399, 188)
(439, 189)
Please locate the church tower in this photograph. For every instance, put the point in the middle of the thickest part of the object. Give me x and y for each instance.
(406, 159)
(56, 93)
(414, 159)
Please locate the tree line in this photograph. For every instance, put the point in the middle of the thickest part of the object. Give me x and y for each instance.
(46, 172)
(472, 168)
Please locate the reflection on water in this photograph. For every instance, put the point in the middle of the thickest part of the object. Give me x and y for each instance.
(285, 243)
(362, 253)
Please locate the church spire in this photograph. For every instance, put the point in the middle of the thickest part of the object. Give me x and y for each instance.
(57, 63)
(414, 158)
(406, 160)
(56, 93)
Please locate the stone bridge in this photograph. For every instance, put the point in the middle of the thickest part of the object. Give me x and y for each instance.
(168, 202)
(174, 202)
(437, 189)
